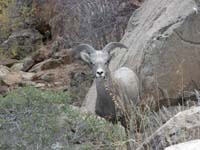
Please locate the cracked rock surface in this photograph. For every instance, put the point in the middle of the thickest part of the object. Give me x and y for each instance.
(163, 37)
(183, 127)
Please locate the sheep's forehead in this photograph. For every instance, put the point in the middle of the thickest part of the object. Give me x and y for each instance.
(99, 57)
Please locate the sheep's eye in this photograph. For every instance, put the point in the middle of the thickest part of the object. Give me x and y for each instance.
(92, 63)
(107, 62)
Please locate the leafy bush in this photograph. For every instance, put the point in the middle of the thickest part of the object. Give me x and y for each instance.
(31, 114)
(34, 119)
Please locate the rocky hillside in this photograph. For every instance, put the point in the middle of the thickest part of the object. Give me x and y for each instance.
(40, 77)
(36, 37)
(44, 120)
(43, 84)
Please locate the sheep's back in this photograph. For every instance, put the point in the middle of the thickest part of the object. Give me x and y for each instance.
(128, 86)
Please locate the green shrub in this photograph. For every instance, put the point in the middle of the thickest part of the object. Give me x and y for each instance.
(35, 119)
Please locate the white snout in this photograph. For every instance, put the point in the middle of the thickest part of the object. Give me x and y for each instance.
(100, 73)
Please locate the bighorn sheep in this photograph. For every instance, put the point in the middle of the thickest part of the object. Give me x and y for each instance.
(116, 92)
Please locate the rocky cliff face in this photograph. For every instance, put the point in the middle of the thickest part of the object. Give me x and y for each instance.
(163, 37)
(39, 34)
(164, 48)
(163, 40)
(96, 22)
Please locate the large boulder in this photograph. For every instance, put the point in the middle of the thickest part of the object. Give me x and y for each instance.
(21, 43)
(163, 39)
(191, 145)
(9, 77)
(164, 48)
(182, 127)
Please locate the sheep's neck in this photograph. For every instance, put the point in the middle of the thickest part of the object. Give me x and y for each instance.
(107, 105)
(104, 104)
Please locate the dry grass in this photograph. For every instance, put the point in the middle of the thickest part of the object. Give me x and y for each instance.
(145, 122)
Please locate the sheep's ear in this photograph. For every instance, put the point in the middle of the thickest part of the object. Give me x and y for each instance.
(85, 57)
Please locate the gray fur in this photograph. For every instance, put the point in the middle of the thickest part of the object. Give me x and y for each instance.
(117, 92)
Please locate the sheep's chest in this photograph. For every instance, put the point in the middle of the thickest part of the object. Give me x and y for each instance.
(107, 104)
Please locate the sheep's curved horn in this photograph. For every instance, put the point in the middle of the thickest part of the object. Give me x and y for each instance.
(112, 45)
(86, 47)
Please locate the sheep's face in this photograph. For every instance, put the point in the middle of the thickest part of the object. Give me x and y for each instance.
(99, 61)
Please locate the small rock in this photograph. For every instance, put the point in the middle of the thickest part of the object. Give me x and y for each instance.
(17, 67)
(28, 63)
(7, 61)
(8, 77)
(39, 85)
(49, 77)
(64, 88)
(12, 78)
(190, 145)
(47, 64)
(58, 83)
(27, 76)
(25, 83)
(4, 71)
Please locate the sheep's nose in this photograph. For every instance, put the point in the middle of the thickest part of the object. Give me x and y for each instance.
(100, 73)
